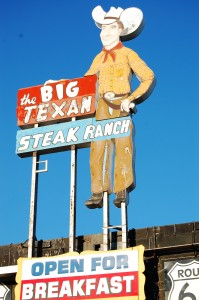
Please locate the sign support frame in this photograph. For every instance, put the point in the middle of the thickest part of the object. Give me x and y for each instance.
(106, 215)
(72, 225)
(106, 224)
(124, 218)
(33, 201)
(33, 205)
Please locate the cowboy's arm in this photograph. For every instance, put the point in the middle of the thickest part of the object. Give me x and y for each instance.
(146, 77)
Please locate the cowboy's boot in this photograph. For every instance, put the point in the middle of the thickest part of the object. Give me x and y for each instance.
(121, 196)
(95, 201)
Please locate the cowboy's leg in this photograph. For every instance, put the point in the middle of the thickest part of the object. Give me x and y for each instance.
(107, 167)
(100, 157)
(100, 165)
(124, 175)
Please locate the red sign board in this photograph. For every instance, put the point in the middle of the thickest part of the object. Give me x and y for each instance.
(59, 100)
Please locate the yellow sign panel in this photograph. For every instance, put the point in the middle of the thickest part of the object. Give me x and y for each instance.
(116, 274)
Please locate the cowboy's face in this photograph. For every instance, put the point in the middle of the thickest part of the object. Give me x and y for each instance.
(110, 35)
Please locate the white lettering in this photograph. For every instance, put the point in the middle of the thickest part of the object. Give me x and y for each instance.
(60, 91)
(37, 138)
(98, 131)
(89, 132)
(117, 123)
(103, 287)
(86, 104)
(58, 109)
(42, 113)
(73, 109)
(53, 109)
(40, 290)
(116, 285)
(29, 111)
(53, 289)
(108, 129)
(125, 126)
(27, 291)
(26, 100)
(65, 289)
(77, 287)
(90, 285)
(24, 142)
(59, 138)
(71, 90)
(46, 93)
(71, 134)
(129, 284)
(47, 139)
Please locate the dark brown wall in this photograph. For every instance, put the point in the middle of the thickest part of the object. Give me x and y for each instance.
(165, 243)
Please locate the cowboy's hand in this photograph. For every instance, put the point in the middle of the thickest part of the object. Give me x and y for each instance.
(125, 105)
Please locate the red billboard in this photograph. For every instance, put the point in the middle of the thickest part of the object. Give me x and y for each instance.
(56, 101)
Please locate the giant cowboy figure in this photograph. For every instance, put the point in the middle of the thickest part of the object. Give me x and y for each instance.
(114, 67)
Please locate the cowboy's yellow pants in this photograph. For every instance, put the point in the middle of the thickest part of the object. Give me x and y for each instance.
(118, 153)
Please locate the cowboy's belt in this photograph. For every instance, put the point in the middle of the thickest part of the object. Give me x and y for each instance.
(108, 97)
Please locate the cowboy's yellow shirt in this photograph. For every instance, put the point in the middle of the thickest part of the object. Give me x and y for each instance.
(116, 75)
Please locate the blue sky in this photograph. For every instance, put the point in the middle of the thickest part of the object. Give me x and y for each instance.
(48, 39)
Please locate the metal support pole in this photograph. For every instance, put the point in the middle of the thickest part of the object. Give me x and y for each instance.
(124, 224)
(72, 227)
(107, 227)
(33, 207)
(105, 221)
(33, 201)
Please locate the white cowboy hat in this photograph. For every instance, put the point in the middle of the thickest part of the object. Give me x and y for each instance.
(131, 18)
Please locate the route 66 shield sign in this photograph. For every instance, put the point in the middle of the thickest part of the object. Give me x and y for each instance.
(5, 293)
(185, 281)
